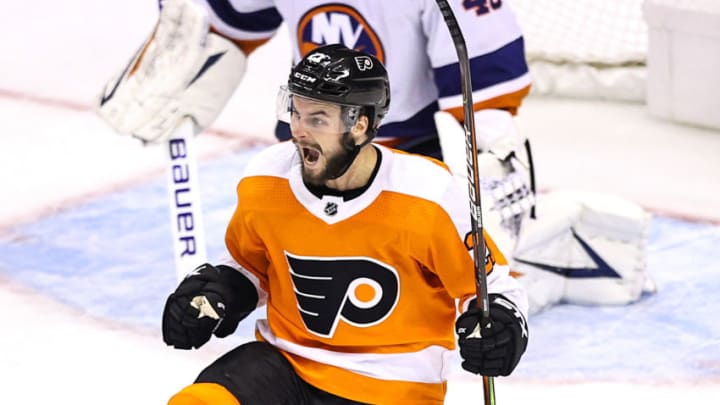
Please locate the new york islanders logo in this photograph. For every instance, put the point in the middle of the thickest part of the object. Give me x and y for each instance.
(337, 24)
(357, 290)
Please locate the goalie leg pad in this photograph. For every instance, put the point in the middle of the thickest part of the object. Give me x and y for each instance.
(583, 248)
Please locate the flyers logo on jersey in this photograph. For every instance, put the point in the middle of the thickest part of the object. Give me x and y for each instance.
(357, 290)
(337, 24)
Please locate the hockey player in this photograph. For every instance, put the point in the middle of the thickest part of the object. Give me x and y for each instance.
(358, 252)
(194, 59)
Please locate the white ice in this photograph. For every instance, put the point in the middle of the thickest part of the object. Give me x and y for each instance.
(56, 153)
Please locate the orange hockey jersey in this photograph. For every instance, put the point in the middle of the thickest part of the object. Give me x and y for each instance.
(361, 294)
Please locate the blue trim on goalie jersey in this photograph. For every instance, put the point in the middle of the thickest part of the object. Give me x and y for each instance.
(257, 21)
(502, 65)
(603, 269)
(420, 125)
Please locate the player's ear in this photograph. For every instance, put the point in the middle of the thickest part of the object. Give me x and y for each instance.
(359, 130)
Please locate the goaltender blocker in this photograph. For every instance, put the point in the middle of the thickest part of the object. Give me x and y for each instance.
(358, 252)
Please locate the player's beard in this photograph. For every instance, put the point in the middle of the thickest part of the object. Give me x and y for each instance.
(335, 165)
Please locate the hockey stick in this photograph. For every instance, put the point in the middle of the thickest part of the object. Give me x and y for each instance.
(471, 152)
(184, 193)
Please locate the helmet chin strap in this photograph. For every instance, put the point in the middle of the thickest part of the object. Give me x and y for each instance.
(352, 151)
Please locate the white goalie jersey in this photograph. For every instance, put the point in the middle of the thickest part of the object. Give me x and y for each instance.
(409, 37)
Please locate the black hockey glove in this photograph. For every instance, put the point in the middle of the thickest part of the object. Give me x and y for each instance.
(499, 349)
(210, 300)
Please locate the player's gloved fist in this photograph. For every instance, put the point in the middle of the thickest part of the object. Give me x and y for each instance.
(494, 350)
(209, 300)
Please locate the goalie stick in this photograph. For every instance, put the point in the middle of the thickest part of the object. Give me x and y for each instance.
(471, 152)
(184, 197)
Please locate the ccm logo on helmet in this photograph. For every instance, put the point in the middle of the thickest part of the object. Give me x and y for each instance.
(304, 77)
(359, 291)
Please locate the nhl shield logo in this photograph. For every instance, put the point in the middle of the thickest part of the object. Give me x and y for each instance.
(331, 209)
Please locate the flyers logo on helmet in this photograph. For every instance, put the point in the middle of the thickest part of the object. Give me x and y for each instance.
(358, 290)
(363, 63)
(337, 24)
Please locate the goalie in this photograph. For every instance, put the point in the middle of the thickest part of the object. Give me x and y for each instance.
(194, 59)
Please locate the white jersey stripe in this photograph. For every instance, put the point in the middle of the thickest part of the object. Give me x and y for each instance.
(421, 366)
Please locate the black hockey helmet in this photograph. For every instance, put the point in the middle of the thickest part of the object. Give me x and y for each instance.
(337, 74)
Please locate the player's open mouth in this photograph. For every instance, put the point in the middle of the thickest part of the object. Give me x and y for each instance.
(310, 155)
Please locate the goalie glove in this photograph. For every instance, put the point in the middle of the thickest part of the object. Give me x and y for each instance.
(503, 175)
(506, 182)
(495, 350)
(182, 70)
(210, 300)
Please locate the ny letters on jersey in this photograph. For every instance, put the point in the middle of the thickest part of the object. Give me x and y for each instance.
(337, 24)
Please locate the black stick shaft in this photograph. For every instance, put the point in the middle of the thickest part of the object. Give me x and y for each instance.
(471, 152)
